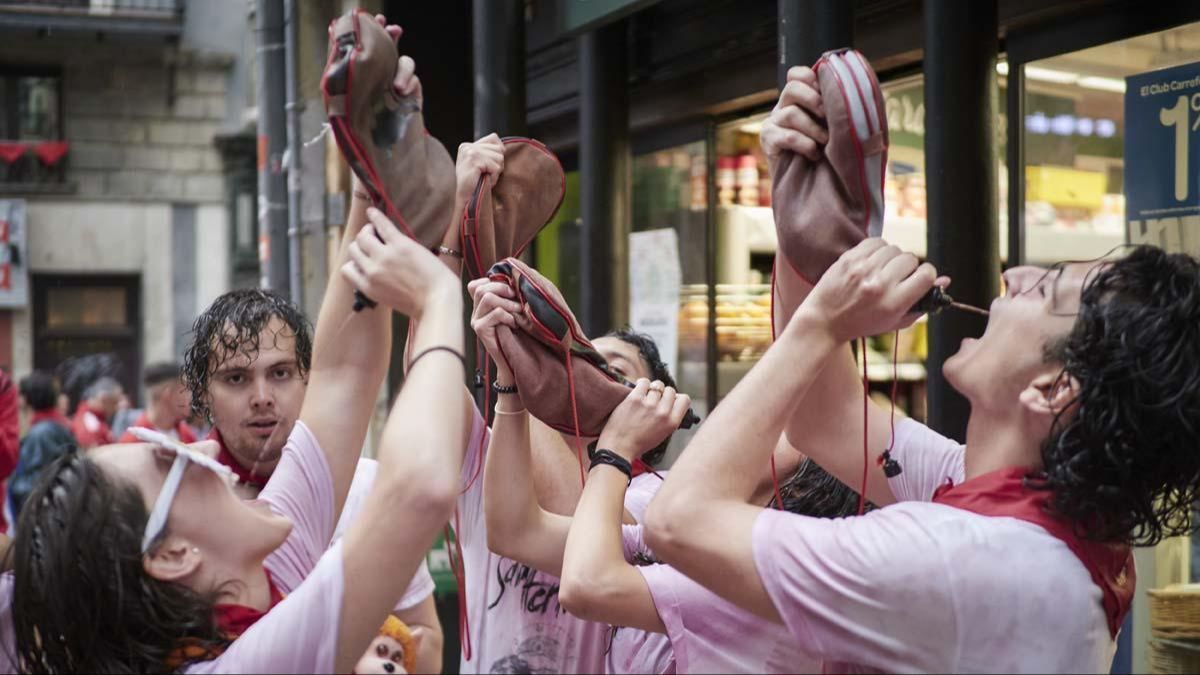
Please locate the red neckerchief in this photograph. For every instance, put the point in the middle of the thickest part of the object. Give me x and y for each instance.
(233, 620)
(640, 467)
(1003, 493)
(50, 414)
(225, 457)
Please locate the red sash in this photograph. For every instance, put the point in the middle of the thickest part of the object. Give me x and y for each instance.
(225, 457)
(1003, 493)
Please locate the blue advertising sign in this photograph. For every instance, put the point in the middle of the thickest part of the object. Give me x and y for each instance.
(1162, 158)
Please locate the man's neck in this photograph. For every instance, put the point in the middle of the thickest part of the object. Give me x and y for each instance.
(998, 442)
(161, 419)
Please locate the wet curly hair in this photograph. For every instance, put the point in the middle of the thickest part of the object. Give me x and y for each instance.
(231, 326)
(1123, 462)
(813, 491)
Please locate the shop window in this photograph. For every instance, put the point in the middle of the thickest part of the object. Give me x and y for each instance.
(667, 264)
(1074, 134)
(31, 145)
(747, 243)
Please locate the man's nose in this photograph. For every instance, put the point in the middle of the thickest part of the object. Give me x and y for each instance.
(264, 395)
(1019, 279)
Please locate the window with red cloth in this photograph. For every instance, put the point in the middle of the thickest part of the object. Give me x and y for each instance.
(31, 131)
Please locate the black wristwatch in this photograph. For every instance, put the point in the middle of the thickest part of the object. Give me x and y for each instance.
(614, 460)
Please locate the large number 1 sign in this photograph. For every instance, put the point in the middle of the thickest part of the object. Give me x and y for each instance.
(1177, 117)
(1162, 158)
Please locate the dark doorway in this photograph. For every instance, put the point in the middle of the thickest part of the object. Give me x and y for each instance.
(74, 315)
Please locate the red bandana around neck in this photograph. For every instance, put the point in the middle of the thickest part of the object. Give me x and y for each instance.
(233, 620)
(1003, 493)
(51, 415)
(225, 457)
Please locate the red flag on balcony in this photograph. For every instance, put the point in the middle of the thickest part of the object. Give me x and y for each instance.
(50, 152)
(10, 151)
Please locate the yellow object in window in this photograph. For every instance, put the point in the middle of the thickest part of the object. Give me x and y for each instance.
(1064, 187)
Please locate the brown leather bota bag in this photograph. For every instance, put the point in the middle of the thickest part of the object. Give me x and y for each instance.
(499, 221)
(825, 208)
(407, 173)
(562, 379)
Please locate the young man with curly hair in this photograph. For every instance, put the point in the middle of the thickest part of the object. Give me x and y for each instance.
(1009, 554)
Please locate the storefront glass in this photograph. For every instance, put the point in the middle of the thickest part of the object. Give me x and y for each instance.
(668, 290)
(746, 244)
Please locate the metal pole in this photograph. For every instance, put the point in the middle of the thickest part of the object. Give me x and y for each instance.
(809, 28)
(272, 138)
(960, 165)
(295, 107)
(1015, 151)
(498, 29)
(604, 162)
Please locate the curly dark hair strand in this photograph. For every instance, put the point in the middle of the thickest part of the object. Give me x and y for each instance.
(232, 326)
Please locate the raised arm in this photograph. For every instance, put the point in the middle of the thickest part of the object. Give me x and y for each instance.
(701, 520)
(598, 583)
(517, 527)
(422, 445)
(350, 349)
(826, 426)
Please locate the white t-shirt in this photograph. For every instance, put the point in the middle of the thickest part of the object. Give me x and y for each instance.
(422, 585)
(516, 623)
(300, 633)
(924, 587)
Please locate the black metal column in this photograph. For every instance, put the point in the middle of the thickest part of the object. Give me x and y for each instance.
(498, 28)
(272, 141)
(960, 165)
(1015, 156)
(808, 28)
(604, 164)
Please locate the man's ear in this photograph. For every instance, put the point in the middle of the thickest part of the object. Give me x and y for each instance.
(173, 560)
(1049, 394)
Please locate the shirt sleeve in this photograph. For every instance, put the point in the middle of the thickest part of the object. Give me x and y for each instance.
(419, 588)
(927, 459)
(662, 581)
(299, 635)
(633, 544)
(470, 517)
(641, 490)
(421, 585)
(301, 488)
(851, 589)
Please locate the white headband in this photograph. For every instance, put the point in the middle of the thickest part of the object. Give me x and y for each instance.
(183, 455)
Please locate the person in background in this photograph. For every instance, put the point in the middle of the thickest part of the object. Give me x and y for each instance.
(124, 417)
(168, 403)
(100, 402)
(49, 437)
(9, 433)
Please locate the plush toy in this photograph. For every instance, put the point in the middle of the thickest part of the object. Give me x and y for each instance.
(394, 650)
